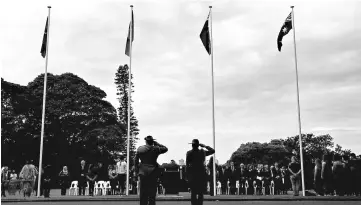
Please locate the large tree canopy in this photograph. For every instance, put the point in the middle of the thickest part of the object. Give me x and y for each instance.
(280, 150)
(78, 121)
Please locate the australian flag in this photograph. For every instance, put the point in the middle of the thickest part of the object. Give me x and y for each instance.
(287, 26)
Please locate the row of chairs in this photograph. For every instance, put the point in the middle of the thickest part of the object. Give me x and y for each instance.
(245, 187)
(100, 187)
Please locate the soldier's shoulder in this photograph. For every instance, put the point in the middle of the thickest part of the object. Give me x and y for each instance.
(142, 148)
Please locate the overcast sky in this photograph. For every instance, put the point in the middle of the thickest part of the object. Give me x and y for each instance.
(255, 86)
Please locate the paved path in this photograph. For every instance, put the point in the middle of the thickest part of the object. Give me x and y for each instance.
(56, 198)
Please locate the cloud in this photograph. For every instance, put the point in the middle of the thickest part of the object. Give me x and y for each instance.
(255, 88)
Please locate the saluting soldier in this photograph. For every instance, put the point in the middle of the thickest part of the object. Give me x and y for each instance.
(147, 169)
(196, 171)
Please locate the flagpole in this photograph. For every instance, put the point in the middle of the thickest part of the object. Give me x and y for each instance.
(44, 100)
(129, 94)
(298, 104)
(213, 120)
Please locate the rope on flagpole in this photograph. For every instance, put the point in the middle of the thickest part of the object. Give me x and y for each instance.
(44, 101)
(298, 104)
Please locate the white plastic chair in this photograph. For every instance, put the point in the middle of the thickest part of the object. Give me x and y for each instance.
(87, 189)
(138, 188)
(100, 185)
(272, 187)
(246, 185)
(74, 187)
(219, 188)
(237, 186)
(255, 188)
(107, 187)
(227, 191)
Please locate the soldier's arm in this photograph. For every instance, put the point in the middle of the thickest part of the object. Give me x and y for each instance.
(136, 163)
(209, 150)
(187, 164)
(161, 148)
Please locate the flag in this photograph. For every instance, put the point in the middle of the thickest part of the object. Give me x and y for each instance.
(205, 37)
(286, 27)
(45, 39)
(130, 32)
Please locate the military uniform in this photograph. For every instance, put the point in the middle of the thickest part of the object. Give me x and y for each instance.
(196, 172)
(147, 170)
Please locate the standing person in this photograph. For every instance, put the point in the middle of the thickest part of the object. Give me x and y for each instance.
(347, 179)
(234, 177)
(326, 174)
(210, 167)
(4, 179)
(113, 178)
(338, 173)
(196, 171)
(92, 176)
(242, 178)
(30, 174)
(82, 179)
(295, 169)
(47, 180)
(121, 169)
(223, 178)
(147, 169)
(317, 180)
(64, 180)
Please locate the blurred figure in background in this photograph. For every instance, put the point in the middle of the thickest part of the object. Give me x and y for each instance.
(113, 178)
(317, 178)
(295, 170)
(81, 177)
(338, 175)
(326, 174)
(64, 180)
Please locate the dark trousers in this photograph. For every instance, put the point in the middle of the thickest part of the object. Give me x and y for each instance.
(295, 180)
(46, 187)
(82, 190)
(63, 187)
(196, 198)
(318, 186)
(122, 179)
(91, 187)
(82, 184)
(148, 189)
(224, 187)
(338, 185)
(3, 189)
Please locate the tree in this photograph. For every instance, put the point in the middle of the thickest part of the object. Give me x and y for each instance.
(340, 151)
(75, 112)
(122, 84)
(255, 152)
(313, 146)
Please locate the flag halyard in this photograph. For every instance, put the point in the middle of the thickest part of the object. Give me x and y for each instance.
(130, 32)
(45, 39)
(286, 27)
